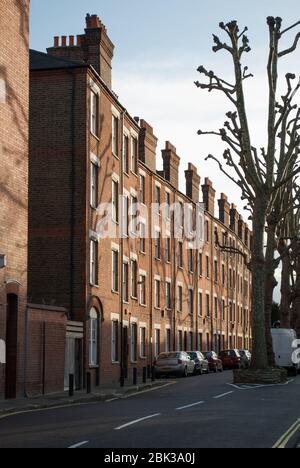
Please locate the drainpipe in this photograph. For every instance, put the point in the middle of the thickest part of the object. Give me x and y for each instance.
(25, 364)
(73, 188)
(122, 376)
(151, 273)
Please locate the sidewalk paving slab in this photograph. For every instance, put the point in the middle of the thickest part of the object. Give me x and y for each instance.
(22, 405)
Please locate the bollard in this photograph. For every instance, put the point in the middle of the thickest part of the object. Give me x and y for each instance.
(149, 371)
(88, 383)
(144, 374)
(134, 376)
(71, 385)
(153, 374)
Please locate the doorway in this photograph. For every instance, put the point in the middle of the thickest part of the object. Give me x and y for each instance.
(11, 346)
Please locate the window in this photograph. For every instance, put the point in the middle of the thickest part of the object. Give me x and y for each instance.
(134, 214)
(115, 201)
(142, 189)
(216, 307)
(223, 309)
(168, 295)
(206, 231)
(168, 249)
(133, 342)
(93, 348)
(157, 199)
(125, 282)
(125, 154)
(207, 305)
(142, 237)
(143, 342)
(157, 342)
(168, 340)
(191, 301)
(157, 294)
(168, 205)
(125, 222)
(207, 267)
(115, 132)
(94, 185)
(181, 214)
(157, 246)
(216, 276)
(134, 154)
(134, 279)
(94, 113)
(180, 298)
(93, 262)
(180, 340)
(200, 304)
(115, 271)
(200, 342)
(190, 260)
(115, 341)
(207, 342)
(223, 274)
(191, 339)
(143, 289)
(180, 255)
(200, 260)
(230, 278)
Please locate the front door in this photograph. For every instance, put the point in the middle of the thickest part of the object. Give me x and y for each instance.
(11, 346)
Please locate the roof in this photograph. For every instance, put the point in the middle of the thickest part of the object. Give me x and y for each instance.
(42, 61)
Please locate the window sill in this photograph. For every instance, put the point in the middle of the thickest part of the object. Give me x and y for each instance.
(94, 285)
(115, 156)
(94, 135)
(143, 305)
(93, 366)
(114, 363)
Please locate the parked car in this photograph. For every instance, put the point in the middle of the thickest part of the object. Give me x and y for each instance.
(284, 345)
(231, 359)
(246, 358)
(174, 363)
(201, 364)
(215, 364)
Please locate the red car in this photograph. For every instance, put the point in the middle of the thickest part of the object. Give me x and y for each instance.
(231, 359)
(215, 364)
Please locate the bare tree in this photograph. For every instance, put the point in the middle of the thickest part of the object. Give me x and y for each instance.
(259, 174)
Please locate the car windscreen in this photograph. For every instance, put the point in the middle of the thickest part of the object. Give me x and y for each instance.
(193, 355)
(169, 356)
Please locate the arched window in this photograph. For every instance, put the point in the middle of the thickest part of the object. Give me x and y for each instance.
(93, 345)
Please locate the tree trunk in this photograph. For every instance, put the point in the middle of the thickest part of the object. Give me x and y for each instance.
(259, 349)
(296, 300)
(285, 304)
(271, 283)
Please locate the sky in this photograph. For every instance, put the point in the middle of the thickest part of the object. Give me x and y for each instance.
(159, 46)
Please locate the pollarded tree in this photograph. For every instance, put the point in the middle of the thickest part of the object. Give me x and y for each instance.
(259, 174)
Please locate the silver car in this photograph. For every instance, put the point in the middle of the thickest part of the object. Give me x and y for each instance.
(174, 363)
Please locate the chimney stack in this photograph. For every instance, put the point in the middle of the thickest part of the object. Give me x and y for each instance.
(224, 209)
(171, 164)
(147, 145)
(234, 218)
(241, 228)
(94, 47)
(192, 183)
(209, 194)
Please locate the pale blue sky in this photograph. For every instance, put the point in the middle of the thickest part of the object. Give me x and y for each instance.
(159, 45)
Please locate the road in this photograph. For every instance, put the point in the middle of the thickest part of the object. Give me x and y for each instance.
(197, 412)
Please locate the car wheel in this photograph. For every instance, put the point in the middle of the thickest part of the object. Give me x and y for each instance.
(200, 371)
(221, 369)
(216, 369)
(185, 372)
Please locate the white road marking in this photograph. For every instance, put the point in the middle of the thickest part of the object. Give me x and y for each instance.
(223, 395)
(190, 406)
(257, 386)
(80, 444)
(137, 421)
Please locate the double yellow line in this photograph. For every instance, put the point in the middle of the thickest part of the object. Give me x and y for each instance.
(284, 440)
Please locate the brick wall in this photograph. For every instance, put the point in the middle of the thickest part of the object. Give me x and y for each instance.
(13, 163)
(45, 356)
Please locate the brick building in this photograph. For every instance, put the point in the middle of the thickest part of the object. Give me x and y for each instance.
(134, 296)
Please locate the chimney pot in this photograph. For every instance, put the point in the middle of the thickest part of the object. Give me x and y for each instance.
(56, 41)
(64, 41)
(71, 41)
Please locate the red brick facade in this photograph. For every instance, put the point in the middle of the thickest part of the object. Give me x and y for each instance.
(63, 223)
(14, 88)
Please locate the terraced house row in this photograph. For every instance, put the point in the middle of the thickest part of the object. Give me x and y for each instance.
(111, 303)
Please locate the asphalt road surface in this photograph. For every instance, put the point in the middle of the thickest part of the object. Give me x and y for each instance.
(197, 412)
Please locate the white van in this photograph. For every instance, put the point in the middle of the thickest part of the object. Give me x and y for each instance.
(284, 341)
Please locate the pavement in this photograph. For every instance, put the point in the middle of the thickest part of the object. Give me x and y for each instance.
(9, 407)
(197, 412)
